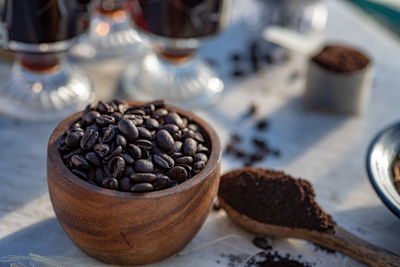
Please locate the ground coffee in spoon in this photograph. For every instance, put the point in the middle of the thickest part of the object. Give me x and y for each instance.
(273, 197)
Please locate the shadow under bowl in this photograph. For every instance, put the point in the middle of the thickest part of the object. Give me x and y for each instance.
(131, 228)
(381, 153)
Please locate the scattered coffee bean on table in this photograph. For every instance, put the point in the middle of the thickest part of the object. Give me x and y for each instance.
(273, 259)
(134, 148)
(275, 198)
(262, 243)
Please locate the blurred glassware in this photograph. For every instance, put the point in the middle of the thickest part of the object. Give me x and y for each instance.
(306, 17)
(41, 84)
(172, 71)
(110, 33)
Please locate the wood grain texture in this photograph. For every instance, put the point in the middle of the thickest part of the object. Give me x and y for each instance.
(131, 228)
(341, 241)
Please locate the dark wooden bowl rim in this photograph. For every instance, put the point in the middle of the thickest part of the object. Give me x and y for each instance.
(63, 171)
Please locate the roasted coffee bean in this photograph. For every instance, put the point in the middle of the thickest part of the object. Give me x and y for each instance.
(142, 165)
(171, 128)
(161, 182)
(79, 173)
(116, 116)
(189, 147)
(142, 187)
(129, 171)
(236, 138)
(262, 243)
(93, 127)
(116, 165)
(143, 132)
(88, 139)
(174, 118)
(125, 184)
(104, 120)
(184, 160)
(240, 153)
(177, 155)
(104, 108)
(164, 140)
(155, 149)
(188, 169)
(152, 124)
(143, 177)
(135, 151)
(116, 152)
(73, 138)
(93, 159)
(262, 125)
(99, 175)
(127, 158)
(198, 166)
(184, 122)
(137, 120)
(145, 153)
(79, 162)
(74, 152)
(159, 113)
(257, 156)
(90, 117)
(110, 183)
(186, 133)
(120, 140)
(101, 149)
(159, 103)
(163, 160)
(149, 108)
(62, 146)
(194, 127)
(109, 133)
(259, 142)
(128, 129)
(176, 147)
(136, 111)
(177, 135)
(144, 144)
(200, 156)
(202, 149)
(177, 173)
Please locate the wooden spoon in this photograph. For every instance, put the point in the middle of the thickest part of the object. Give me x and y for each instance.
(341, 241)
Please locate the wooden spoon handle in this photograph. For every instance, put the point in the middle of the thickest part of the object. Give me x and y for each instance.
(356, 248)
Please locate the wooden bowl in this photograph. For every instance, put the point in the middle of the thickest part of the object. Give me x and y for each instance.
(131, 228)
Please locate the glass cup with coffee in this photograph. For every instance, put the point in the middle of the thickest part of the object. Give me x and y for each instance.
(42, 85)
(176, 29)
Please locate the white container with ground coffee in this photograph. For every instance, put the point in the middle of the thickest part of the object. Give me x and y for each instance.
(338, 77)
(338, 80)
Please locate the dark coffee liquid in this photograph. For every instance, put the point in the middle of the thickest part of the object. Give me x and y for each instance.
(45, 21)
(178, 18)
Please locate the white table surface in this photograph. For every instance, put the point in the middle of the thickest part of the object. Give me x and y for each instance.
(328, 150)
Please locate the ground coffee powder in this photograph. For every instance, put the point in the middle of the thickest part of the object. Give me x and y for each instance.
(274, 197)
(341, 59)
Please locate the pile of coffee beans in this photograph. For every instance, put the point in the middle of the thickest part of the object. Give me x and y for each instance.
(134, 148)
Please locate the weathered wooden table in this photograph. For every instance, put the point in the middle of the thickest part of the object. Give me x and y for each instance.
(328, 150)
